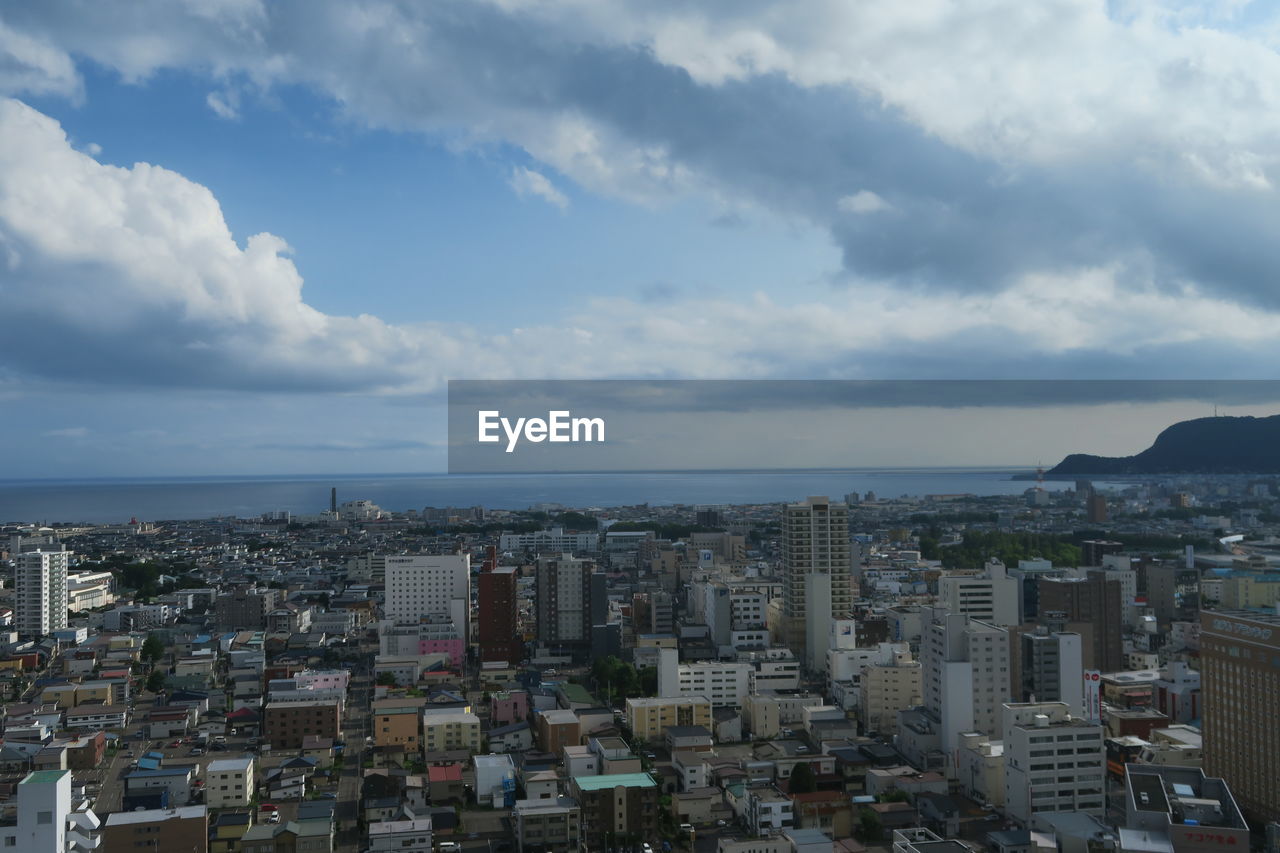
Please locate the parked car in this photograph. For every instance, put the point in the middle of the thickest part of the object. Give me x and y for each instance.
(328, 795)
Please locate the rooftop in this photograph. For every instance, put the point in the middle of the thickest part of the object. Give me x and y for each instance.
(614, 780)
(153, 815)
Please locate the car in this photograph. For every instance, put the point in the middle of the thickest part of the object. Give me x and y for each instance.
(129, 754)
(175, 744)
(646, 848)
(275, 818)
(988, 807)
(196, 751)
(328, 795)
(269, 807)
(722, 823)
(992, 818)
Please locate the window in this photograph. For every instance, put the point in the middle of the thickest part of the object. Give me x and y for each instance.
(44, 818)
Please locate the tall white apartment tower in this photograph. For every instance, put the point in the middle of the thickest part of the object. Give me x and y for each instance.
(40, 603)
(429, 586)
(815, 540)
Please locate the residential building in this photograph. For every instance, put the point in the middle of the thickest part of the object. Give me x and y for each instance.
(815, 540)
(890, 685)
(244, 608)
(285, 725)
(177, 830)
(570, 600)
(647, 717)
(551, 541)
(495, 780)
(617, 809)
(989, 595)
(1240, 684)
(1092, 607)
(498, 615)
(400, 836)
(547, 826)
(1054, 762)
(450, 730)
(40, 591)
(43, 817)
(557, 729)
(1050, 668)
(229, 782)
(398, 722)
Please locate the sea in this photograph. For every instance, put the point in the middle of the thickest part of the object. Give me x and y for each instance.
(184, 498)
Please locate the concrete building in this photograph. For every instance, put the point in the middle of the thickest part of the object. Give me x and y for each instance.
(1050, 668)
(725, 683)
(1092, 607)
(1179, 809)
(43, 817)
(616, 807)
(229, 782)
(285, 725)
(570, 600)
(425, 585)
(497, 616)
(244, 608)
(551, 541)
(890, 685)
(401, 836)
(40, 591)
(1054, 762)
(989, 595)
(1239, 685)
(815, 540)
(495, 780)
(647, 717)
(542, 826)
(448, 730)
(178, 830)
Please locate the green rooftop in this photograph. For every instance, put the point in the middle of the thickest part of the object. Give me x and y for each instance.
(614, 780)
(576, 693)
(45, 777)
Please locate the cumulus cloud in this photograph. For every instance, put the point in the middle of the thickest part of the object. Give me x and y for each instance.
(863, 201)
(527, 182)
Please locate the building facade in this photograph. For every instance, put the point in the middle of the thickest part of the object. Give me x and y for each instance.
(40, 594)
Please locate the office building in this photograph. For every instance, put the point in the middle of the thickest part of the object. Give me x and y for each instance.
(426, 587)
(889, 685)
(1092, 607)
(1240, 684)
(40, 594)
(724, 683)
(815, 540)
(1054, 762)
(178, 830)
(1050, 668)
(1028, 574)
(498, 614)
(552, 541)
(990, 595)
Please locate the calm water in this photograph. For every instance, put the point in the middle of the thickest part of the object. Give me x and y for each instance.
(187, 498)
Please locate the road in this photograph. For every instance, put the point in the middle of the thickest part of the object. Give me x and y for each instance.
(355, 729)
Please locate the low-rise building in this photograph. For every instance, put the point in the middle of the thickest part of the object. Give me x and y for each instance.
(176, 830)
(229, 782)
(648, 717)
(616, 806)
(546, 825)
(285, 725)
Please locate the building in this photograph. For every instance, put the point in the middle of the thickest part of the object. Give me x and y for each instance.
(229, 782)
(570, 600)
(965, 681)
(1239, 682)
(990, 595)
(1179, 809)
(1091, 606)
(498, 615)
(557, 729)
(429, 587)
(889, 686)
(285, 725)
(546, 826)
(42, 817)
(179, 830)
(815, 540)
(244, 608)
(1050, 668)
(726, 683)
(495, 780)
(400, 836)
(398, 722)
(40, 591)
(648, 717)
(617, 809)
(450, 730)
(551, 541)
(1054, 762)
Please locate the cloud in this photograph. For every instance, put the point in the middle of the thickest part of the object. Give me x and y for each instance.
(225, 104)
(527, 182)
(68, 432)
(863, 201)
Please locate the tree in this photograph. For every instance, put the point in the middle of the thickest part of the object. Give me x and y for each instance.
(803, 780)
(152, 649)
(869, 826)
(386, 679)
(155, 681)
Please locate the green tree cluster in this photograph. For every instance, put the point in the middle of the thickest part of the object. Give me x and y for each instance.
(976, 547)
(616, 679)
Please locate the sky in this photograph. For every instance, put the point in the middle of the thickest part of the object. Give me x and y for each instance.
(249, 237)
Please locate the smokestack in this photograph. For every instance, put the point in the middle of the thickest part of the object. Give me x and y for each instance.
(333, 499)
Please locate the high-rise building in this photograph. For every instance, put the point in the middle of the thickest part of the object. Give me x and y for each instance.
(244, 608)
(815, 539)
(571, 599)
(498, 616)
(1093, 550)
(40, 603)
(429, 586)
(965, 682)
(1239, 684)
(1053, 761)
(1092, 607)
(890, 684)
(1096, 509)
(1028, 574)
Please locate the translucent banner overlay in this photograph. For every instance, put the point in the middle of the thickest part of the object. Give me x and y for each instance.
(583, 426)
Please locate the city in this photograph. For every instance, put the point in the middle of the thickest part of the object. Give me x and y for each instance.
(837, 674)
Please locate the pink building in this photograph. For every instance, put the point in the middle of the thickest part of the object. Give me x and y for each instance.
(451, 647)
(508, 708)
(319, 679)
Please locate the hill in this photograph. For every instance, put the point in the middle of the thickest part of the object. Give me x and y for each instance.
(1222, 445)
